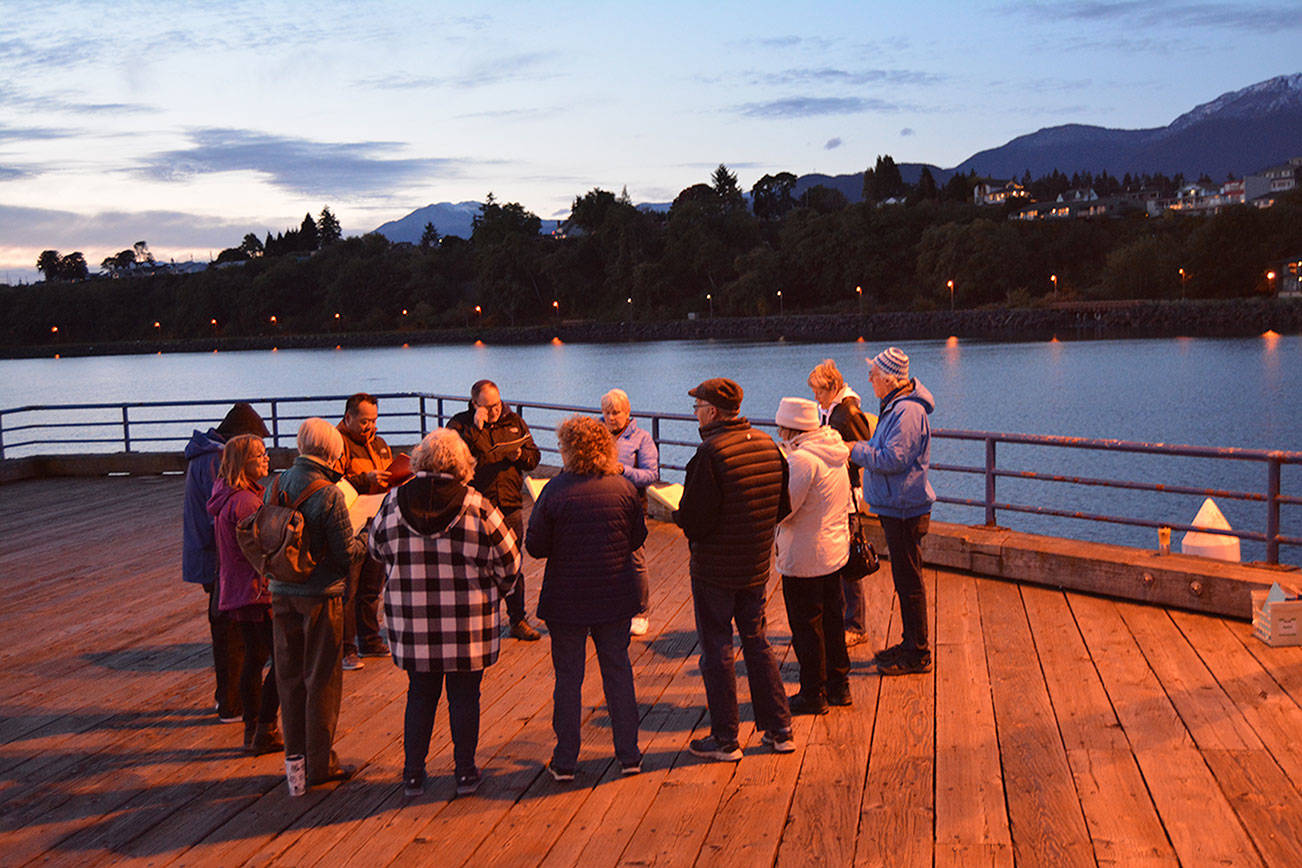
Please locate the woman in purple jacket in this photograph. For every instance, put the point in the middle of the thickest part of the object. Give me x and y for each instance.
(639, 463)
(244, 596)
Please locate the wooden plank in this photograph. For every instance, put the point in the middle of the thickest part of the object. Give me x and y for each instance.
(971, 813)
(1123, 822)
(1197, 816)
(897, 816)
(1044, 810)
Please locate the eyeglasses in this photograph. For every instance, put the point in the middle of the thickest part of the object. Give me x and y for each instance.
(497, 405)
(700, 406)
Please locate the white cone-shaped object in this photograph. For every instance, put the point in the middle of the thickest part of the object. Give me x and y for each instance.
(1211, 545)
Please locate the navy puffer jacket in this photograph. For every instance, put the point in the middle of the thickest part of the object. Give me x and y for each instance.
(587, 527)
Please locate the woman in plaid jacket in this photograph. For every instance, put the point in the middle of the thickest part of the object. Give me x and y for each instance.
(448, 559)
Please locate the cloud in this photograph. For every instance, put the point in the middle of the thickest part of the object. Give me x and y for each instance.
(68, 231)
(1253, 18)
(815, 43)
(300, 165)
(59, 101)
(907, 131)
(828, 75)
(22, 134)
(832, 144)
(483, 74)
(812, 106)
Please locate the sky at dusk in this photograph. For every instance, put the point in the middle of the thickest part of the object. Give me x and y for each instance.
(188, 125)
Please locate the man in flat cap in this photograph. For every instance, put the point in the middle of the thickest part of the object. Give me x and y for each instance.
(734, 495)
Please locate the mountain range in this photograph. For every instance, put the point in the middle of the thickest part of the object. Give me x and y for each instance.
(1240, 132)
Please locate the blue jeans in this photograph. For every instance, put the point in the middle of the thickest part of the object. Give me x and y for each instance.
(716, 610)
(569, 650)
(423, 690)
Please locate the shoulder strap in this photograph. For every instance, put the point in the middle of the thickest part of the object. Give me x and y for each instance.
(311, 489)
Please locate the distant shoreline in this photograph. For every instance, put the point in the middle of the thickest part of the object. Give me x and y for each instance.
(1083, 321)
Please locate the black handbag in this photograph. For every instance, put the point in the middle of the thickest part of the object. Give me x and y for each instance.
(863, 557)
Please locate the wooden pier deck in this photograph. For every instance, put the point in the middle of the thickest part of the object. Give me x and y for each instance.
(1056, 729)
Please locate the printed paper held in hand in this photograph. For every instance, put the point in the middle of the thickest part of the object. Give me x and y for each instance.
(361, 507)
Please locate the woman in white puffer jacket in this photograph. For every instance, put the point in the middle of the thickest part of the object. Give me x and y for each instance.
(813, 544)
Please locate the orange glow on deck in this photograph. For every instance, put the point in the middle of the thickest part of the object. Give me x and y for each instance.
(859, 339)
(479, 343)
(1270, 334)
(1054, 339)
(951, 341)
(556, 342)
(406, 346)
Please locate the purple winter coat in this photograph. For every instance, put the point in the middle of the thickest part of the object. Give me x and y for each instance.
(241, 586)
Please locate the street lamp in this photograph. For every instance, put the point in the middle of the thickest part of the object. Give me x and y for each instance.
(710, 300)
(1183, 277)
(780, 308)
(858, 290)
(1053, 278)
(1270, 281)
(950, 284)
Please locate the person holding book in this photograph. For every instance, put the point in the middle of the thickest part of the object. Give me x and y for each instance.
(365, 465)
(504, 451)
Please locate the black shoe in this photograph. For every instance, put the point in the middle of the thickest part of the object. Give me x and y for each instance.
(888, 653)
(906, 663)
(468, 783)
(840, 696)
(558, 774)
(413, 785)
(802, 704)
(380, 650)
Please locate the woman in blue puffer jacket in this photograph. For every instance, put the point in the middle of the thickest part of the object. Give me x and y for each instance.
(639, 463)
(895, 463)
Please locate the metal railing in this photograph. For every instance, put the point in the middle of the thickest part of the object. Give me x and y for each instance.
(163, 426)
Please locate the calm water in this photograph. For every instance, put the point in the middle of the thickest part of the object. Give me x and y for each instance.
(1222, 392)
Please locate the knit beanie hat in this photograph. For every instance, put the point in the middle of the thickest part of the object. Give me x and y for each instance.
(242, 419)
(893, 362)
(798, 414)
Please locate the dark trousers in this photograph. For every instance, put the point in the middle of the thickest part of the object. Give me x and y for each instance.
(362, 604)
(227, 655)
(817, 633)
(643, 576)
(569, 650)
(260, 697)
(308, 640)
(716, 610)
(423, 690)
(515, 600)
(904, 542)
(851, 602)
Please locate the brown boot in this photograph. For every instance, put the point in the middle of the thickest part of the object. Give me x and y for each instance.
(266, 740)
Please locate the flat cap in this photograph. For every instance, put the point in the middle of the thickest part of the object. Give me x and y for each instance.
(719, 391)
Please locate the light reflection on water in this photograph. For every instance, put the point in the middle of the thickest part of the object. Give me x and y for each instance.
(1222, 392)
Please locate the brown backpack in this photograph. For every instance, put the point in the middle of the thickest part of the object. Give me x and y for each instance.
(274, 537)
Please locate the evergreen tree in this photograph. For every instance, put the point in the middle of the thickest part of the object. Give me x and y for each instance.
(308, 235)
(327, 227)
(429, 237)
(726, 189)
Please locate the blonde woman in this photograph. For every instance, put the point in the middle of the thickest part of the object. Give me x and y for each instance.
(244, 596)
(449, 559)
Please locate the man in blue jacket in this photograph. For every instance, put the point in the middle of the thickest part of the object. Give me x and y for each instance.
(895, 463)
(199, 548)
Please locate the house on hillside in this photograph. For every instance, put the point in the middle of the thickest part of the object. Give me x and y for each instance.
(1283, 177)
(1078, 194)
(991, 192)
(1289, 278)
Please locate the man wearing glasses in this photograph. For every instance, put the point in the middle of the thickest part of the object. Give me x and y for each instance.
(734, 495)
(504, 451)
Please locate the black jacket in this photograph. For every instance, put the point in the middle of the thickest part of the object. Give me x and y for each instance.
(733, 498)
(852, 424)
(587, 527)
(496, 477)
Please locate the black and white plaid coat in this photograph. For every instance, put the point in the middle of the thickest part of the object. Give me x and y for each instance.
(441, 591)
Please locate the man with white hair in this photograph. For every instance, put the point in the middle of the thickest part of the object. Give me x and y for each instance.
(895, 463)
(308, 618)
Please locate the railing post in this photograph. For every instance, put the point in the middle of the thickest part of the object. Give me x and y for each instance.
(655, 430)
(1272, 509)
(2, 436)
(990, 482)
(126, 430)
(275, 425)
(423, 428)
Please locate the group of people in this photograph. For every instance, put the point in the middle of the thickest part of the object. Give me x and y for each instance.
(444, 550)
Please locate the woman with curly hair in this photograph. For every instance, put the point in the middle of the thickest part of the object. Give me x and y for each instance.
(449, 559)
(587, 523)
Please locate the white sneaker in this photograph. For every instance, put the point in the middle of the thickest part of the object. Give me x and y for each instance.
(639, 626)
